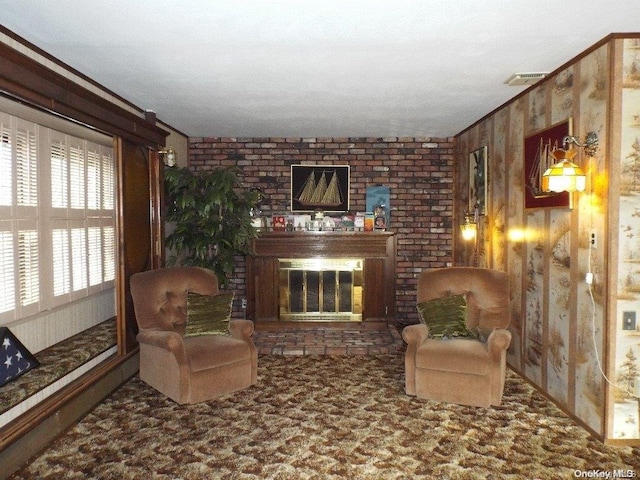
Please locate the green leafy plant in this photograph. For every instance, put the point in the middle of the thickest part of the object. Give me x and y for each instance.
(209, 219)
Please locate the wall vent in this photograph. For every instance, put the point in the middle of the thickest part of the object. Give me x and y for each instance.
(529, 78)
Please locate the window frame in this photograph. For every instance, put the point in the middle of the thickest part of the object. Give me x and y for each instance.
(76, 216)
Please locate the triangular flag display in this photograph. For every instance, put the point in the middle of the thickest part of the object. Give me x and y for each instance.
(15, 359)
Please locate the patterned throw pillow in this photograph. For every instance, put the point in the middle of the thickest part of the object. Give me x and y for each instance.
(445, 317)
(208, 314)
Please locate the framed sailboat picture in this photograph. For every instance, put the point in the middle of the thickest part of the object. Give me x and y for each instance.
(538, 157)
(320, 187)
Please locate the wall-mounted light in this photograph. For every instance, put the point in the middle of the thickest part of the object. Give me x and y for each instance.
(468, 228)
(566, 176)
(169, 156)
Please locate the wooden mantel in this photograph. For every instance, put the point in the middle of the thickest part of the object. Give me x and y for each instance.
(377, 249)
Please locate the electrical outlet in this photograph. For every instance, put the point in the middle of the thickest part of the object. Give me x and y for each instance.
(244, 303)
(628, 320)
(592, 239)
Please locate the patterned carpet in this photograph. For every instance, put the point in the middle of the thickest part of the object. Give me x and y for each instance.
(326, 417)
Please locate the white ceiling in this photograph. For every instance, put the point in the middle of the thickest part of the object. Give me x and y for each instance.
(287, 68)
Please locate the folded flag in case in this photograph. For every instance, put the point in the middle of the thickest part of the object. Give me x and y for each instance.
(15, 359)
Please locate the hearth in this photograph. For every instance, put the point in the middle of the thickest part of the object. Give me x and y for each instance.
(321, 289)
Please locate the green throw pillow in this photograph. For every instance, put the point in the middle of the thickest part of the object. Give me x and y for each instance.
(445, 316)
(208, 314)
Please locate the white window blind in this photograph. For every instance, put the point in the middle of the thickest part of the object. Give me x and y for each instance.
(76, 177)
(108, 180)
(7, 276)
(57, 218)
(26, 168)
(109, 254)
(59, 175)
(79, 268)
(6, 162)
(94, 242)
(61, 262)
(94, 184)
(28, 267)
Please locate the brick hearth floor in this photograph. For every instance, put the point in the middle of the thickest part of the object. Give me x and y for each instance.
(327, 341)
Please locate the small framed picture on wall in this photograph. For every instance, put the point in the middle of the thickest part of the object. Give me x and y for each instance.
(478, 180)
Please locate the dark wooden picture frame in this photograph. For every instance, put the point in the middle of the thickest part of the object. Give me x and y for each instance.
(478, 176)
(320, 187)
(534, 145)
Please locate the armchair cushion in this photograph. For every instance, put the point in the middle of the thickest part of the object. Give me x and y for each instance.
(445, 316)
(208, 314)
(210, 351)
(458, 355)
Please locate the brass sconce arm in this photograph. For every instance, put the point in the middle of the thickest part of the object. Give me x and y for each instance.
(590, 144)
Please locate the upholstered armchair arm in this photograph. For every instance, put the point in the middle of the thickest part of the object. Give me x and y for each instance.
(499, 341)
(170, 341)
(415, 334)
(241, 329)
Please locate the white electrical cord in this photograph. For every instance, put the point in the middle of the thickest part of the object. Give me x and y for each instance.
(589, 280)
(595, 345)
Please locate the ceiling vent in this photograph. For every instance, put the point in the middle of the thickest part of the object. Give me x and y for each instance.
(519, 79)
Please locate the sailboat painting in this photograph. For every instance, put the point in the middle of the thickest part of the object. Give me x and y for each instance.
(320, 187)
(538, 157)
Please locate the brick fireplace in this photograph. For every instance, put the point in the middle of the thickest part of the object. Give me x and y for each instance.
(328, 277)
(419, 172)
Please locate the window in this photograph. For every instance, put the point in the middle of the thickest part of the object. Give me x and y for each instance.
(57, 218)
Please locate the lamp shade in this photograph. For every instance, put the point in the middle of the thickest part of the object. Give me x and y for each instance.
(564, 176)
(468, 230)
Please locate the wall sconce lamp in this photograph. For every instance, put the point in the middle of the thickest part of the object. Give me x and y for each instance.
(169, 156)
(469, 228)
(566, 176)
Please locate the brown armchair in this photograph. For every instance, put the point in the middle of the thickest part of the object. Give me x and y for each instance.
(192, 369)
(461, 370)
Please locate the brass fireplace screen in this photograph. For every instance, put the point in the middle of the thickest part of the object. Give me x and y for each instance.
(321, 289)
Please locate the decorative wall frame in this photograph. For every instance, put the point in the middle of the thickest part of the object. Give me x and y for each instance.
(377, 201)
(320, 187)
(537, 158)
(478, 180)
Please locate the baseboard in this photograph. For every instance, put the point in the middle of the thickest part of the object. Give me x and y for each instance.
(20, 451)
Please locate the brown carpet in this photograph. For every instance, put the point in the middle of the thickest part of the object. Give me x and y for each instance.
(326, 417)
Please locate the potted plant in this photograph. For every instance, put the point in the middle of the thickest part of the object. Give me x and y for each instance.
(208, 217)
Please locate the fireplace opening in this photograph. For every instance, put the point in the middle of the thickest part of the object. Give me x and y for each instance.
(320, 289)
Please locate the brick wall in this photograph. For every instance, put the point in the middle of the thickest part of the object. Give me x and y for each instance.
(419, 172)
